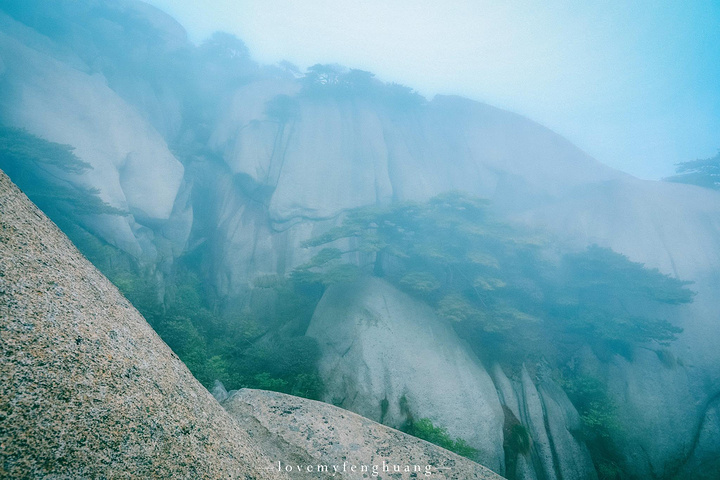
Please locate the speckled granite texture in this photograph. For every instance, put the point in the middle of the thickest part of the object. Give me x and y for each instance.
(88, 390)
(333, 436)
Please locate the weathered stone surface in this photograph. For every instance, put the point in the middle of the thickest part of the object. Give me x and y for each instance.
(557, 450)
(286, 181)
(509, 393)
(703, 462)
(325, 434)
(647, 392)
(88, 388)
(533, 416)
(132, 166)
(571, 456)
(382, 347)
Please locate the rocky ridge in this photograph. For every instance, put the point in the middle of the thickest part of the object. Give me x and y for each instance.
(90, 391)
(324, 434)
(271, 183)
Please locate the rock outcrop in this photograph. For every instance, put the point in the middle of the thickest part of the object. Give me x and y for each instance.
(265, 182)
(334, 154)
(88, 388)
(64, 101)
(387, 356)
(323, 434)
(90, 391)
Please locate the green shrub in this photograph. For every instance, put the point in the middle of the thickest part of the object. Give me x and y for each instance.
(425, 430)
(493, 283)
(599, 421)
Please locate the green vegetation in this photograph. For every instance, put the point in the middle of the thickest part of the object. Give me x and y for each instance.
(334, 81)
(258, 345)
(510, 295)
(599, 422)
(43, 170)
(503, 288)
(255, 347)
(425, 429)
(46, 172)
(705, 173)
(612, 302)
(494, 282)
(516, 441)
(596, 409)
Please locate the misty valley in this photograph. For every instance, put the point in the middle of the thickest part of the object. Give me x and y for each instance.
(439, 266)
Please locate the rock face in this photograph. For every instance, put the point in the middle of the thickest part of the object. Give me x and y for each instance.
(335, 154)
(64, 101)
(377, 363)
(322, 434)
(704, 462)
(90, 391)
(265, 181)
(532, 176)
(553, 425)
(386, 356)
(88, 388)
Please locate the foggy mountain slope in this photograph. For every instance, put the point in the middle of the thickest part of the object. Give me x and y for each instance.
(131, 164)
(374, 153)
(379, 362)
(354, 323)
(264, 161)
(531, 174)
(89, 389)
(115, 40)
(371, 152)
(676, 230)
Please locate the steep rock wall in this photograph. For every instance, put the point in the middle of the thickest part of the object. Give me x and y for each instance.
(387, 356)
(131, 165)
(89, 389)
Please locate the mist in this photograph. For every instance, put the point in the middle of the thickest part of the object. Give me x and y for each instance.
(633, 84)
(446, 218)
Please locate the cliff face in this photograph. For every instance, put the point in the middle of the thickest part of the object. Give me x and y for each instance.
(336, 154)
(269, 165)
(89, 390)
(50, 90)
(388, 356)
(382, 349)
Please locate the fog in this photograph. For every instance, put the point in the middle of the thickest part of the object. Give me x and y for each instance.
(635, 84)
(460, 264)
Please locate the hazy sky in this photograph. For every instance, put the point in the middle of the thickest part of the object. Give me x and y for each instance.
(634, 83)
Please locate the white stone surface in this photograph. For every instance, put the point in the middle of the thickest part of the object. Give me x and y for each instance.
(380, 344)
